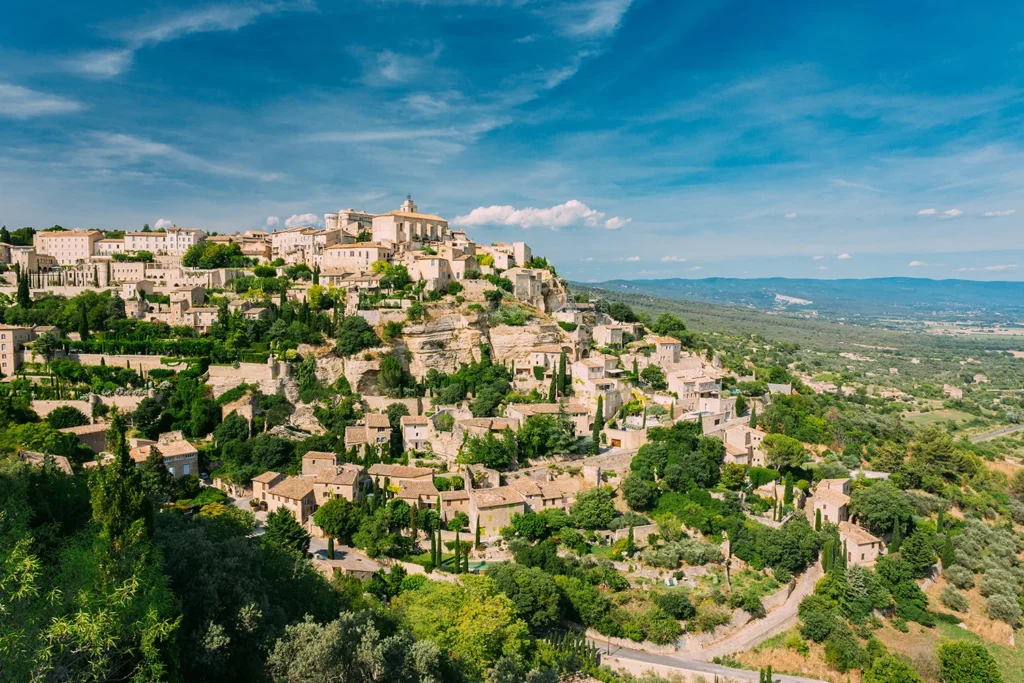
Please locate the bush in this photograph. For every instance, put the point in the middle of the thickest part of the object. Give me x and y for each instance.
(1005, 608)
(66, 416)
(709, 615)
(965, 662)
(676, 603)
(960, 576)
(953, 599)
(818, 618)
(797, 644)
(843, 651)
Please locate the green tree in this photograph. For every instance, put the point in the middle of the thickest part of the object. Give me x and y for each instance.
(654, 376)
(119, 503)
(23, 298)
(156, 479)
(83, 322)
(339, 518)
(284, 531)
(593, 509)
(961, 661)
(881, 506)
(640, 493)
(783, 451)
(917, 552)
(598, 426)
(46, 345)
(561, 374)
(66, 416)
(891, 669)
(533, 592)
(354, 335)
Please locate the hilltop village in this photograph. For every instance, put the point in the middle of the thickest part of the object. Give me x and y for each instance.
(403, 408)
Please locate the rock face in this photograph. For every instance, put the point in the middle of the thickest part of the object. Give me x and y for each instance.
(516, 343)
(443, 343)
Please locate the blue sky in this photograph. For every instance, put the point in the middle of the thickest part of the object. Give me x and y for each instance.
(635, 139)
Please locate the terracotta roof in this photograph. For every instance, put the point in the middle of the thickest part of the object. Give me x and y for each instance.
(858, 535)
(266, 477)
(410, 214)
(547, 349)
(360, 245)
(377, 421)
(461, 494)
(834, 484)
(341, 477)
(168, 450)
(831, 496)
(417, 489)
(502, 496)
(404, 471)
(39, 459)
(414, 420)
(355, 435)
(86, 429)
(319, 454)
(549, 408)
(663, 340)
(492, 423)
(527, 487)
(69, 233)
(293, 488)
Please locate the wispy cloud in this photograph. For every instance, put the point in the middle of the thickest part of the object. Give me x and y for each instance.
(696, 268)
(273, 221)
(672, 259)
(17, 102)
(839, 182)
(952, 213)
(995, 268)
(571, 214)
(591, 18)
(927, 212)
(790, 216)
(818, 258)
(999, 214)
(150, 32)
(917, 264)
(844, 257)
(163, 224)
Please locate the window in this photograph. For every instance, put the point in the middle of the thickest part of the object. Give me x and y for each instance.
(186, 469)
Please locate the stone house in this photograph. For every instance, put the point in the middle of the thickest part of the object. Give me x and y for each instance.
(180, 457)
(346, 481)
(375, 430)
(296, 494)
(418, 494)
(547, 495)
(356, 257)
(579, 415)
(608, 335)
(546, 357)
(454, 502)
(315, 462)
(480, 426)
(12, 347)
(861, 547)
(666, 350)
(492, 509)
(93, 436)
(400, 474)
(833, 504)
(415, 431)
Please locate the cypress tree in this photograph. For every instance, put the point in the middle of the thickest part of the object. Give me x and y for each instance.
(330, 547)
(477, 534)
(842, 560)
(83, 323)
(946, 553)
(897, 537)
(24, 299)
(940, 523)
(636, 371)
(551, 390)
(630, 542)
(788, 494)
(561, 374)
(598, 425)
(817, 520)
(753, 418)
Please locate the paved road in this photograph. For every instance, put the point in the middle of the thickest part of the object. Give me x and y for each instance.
(683, 664)
(758, 630)
(997, 433)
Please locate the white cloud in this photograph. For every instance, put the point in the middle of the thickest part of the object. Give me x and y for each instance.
(594, 18)
(696, 268)
(822, 267)
(102, 63)
(952, 213)
(21, 103)
(999, 214)
(632, 258)
(110, 63)
(588, 259)
(571, 214)
(272, 221)
(672, 259)
(790, 216)
(844, 257)
(818, 258)
(916, 264)
(996, 268)
(927, 212)
(301, 219)
(163, 223)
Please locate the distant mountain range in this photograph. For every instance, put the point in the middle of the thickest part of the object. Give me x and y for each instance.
(898, 298)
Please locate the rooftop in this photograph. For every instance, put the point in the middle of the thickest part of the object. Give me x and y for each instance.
(293, 488)
(418, 488)
(414, 420)
(501, 496)
(858, 535)
(406, 471)
(316, 455)
(86, 429)
(377, 421)
(831, 496)
(410, 214)
(266, 477)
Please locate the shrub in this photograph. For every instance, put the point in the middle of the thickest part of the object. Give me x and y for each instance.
(843, 651)
(960, 576)
(817, 617)
(797, 644)
(965, 662)
(1004, 608)
(953, 599)
(709, 615)
(675, 603)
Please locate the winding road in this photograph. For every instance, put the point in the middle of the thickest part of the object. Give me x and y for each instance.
(997, 433)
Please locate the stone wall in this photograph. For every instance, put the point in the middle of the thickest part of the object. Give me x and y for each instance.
(679, 672)
(247, 372)
(125, 404)
(133, 361)
(382, 316)
(378, 404)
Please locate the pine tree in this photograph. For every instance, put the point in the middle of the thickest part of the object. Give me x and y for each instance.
(897, 537)
(753, 418)
(119, 502)
(817, 520)
(598, 426)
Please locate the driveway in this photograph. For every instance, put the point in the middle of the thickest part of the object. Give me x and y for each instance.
(774, 623)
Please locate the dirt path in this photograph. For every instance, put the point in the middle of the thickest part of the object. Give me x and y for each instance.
(773, 624)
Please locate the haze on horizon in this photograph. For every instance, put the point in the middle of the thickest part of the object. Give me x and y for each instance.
(622, 138)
